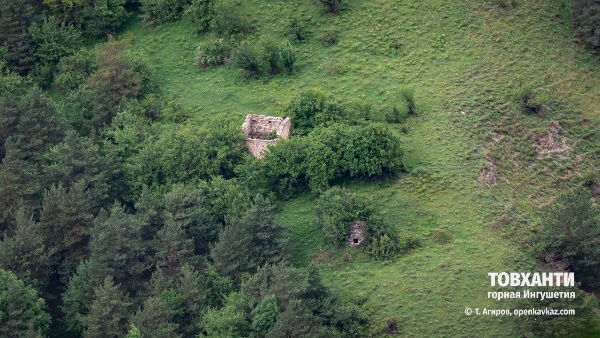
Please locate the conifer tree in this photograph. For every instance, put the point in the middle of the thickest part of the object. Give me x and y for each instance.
(155, 320)
(108, 312)
(22, 312)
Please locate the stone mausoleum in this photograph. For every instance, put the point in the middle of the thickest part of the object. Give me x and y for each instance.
(262, 131)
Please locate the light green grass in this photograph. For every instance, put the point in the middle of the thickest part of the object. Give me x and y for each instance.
(459, 56)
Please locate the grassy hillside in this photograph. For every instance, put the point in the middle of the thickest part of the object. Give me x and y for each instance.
(466, 60)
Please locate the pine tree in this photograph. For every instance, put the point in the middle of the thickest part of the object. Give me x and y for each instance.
(173, 248)
(22, 312)
(116, 248)
(155, 320)
(79, 159)
(264, 316)
(232, 254)
(15, 17)
(298, 322)
(28, 131)
(77, 299)
(108, 312)
(66, 221)
(268, 243)
(25, 252)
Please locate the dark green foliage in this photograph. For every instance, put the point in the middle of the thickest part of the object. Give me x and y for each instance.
(332, 6)
(77, 298)
(51, 41)
(24, 251)
(246, 58)
(79, 161)
(185, 154)
(229, 19)
(173, 248)
(264, 316)
(338, 209)
(267, 56)
(117, 77)
(22, 312)
(570, 237)
(312, 162)
(312, 108)
(108, 314)
(32, 123)
(28, 129)
(271, 55)
(125, 76)
(201, 13)
(298, 322)
(156, 12)
(155, 320)
(116, 249)
(95, 18)
(249, 242)
(586, 14)
(73, 70)
(65, 221)
(213, 53)
(15, 17)
(281, 280)
(578, 325)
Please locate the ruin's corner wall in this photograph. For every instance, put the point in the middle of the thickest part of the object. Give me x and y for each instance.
(259, 128)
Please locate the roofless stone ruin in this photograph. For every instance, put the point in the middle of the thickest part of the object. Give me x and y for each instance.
(262, 131)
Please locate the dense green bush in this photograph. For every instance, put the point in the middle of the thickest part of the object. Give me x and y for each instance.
(156, 12)
(312, 108)
(587, 18)
(201, 14)
(246, 57)
(229, 20)
(73, 70)
(98, 17)
(338, 209)
(277, 56)
(212, 53)
(185, 154)
(52, 40)
(312, 162)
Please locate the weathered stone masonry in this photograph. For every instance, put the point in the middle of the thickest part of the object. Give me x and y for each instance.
(262, 131)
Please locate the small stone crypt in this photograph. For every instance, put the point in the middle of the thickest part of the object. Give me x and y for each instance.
(262, 131)
(356, 235)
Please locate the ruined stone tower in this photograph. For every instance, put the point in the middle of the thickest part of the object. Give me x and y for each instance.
(262, 131)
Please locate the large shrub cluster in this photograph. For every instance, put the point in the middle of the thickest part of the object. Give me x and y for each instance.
(338, 209)
(327, 153)
(313, 108)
